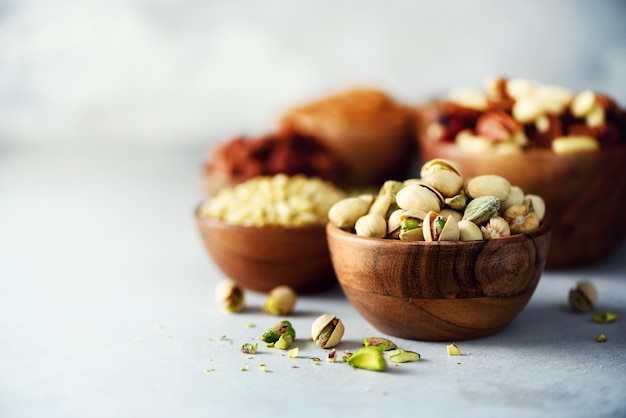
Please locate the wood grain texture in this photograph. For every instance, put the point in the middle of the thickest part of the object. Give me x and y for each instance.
(585, 194)
(262, 258)
(439, 290)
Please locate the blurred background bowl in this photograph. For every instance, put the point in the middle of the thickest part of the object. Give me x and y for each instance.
(585, 194)
(261, 258)
(439, 291)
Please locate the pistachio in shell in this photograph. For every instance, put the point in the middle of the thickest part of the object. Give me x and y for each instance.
(344, 213)
(438, 228)
(443, 175)
(327, 331)
(481, 209)
(372, 225)
(488, 185)
(419, 197)
(469, 231)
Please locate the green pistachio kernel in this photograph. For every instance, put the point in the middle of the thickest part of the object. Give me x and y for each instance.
(368, 358)
(273, 334)
(402, 356)
(383, 344)
(284, 341)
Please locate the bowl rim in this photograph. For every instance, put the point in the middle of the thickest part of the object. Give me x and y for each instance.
(334, 231)
(541, 154)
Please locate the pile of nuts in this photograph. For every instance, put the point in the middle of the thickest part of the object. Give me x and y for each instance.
(511, 115)
(284, 152)
(278, 200)
(441, 206)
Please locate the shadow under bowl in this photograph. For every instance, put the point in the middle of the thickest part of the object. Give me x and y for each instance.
(261, 258)
(439, 291)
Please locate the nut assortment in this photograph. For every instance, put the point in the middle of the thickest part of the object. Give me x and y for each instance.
(278, 200)
(510, 115)
(441, 206)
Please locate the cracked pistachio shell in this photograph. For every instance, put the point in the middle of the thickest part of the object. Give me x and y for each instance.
(344, 213)
(521, 219)
(469, 231)
(411, 222)
(327, 331)
(381, 204)
(371, 225)
(419, 197)
(537, 205)
(229, 296)
(515, 197)
(481, 209)
(443, 175)
(438, 228)
(402, 356)
(488, 185)
(394, 220)
(445, 212)
(497, 227)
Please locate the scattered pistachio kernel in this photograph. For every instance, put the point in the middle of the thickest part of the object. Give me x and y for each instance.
(604, 317)
(383, 344)
(293, 353)
(402, 356)
(601, 338)
(453, 350)
(273, 334)
(284, 341)
(331, 356)
(346, 355)
(262, 368)
(244, 368)
(249, 348)
(368, 358)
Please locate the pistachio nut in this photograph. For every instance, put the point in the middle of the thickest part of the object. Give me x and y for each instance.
(481, 209)
(284, 341)
(368, 358)
(604, 317)
(327, 330)
(345, 212)
(381, 204)
(411, 225)
(419, 197)
(496, 227)
(229, 296)
(249, 348)
(394, 220)
(402, 356)
(438, 228)
(444, 175)
(469, 231)
(457, 202)
(515, 197)
(383, 344)
(371, 225)
(273, 334)
(521, 219)
(453, 350)
(488, 185)
(445, 212)
(280, 300)
(583, 297)
(536, 204)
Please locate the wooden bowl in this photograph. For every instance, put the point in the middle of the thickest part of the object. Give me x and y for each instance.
(439, 291)
(261, 258)
(585, 194)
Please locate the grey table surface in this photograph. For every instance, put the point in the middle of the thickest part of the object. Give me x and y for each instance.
(107, 310)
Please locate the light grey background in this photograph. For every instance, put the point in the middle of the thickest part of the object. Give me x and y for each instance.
(192, 72)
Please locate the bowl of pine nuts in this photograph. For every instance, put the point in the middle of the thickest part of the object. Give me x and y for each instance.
(270, 231)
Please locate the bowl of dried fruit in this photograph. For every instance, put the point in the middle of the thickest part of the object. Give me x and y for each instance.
(269, 231)
(439, 258)
(568, 147)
